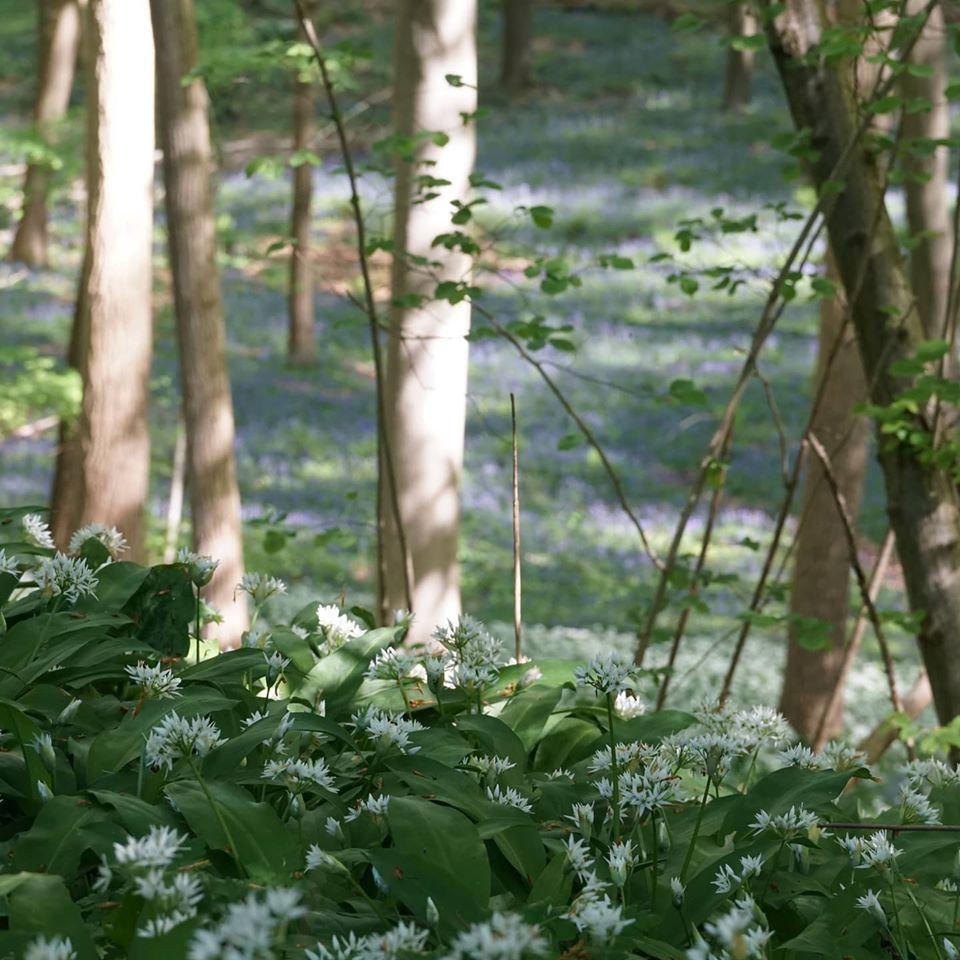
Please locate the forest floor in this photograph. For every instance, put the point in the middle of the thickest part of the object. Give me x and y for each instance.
(623, 137)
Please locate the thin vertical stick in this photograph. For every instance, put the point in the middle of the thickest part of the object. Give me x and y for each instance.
(384, 453)
(178, 475)
(517, 596)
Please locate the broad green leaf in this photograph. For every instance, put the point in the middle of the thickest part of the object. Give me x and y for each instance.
(257, 839)
(527, 713)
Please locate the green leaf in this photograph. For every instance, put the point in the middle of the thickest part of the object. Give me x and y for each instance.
(38, 904)
(163, 608)
(264, 846)
(542, 216)
(527, 713)
(443, 837)
(570, 441)
(568, 742)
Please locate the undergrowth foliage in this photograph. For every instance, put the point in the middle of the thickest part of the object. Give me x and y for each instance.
(326, 792)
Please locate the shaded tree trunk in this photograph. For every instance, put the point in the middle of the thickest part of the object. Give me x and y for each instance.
(928, 209)
(103, 467)
(921, 500)
(821, 574)
(207, 403)
(301, 343)
(59, 39)
(427, 356)
(738, 78)
(516, 48)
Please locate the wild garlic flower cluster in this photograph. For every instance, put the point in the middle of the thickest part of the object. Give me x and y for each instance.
(505, 936)
(509, 797)
(796, 822)
(251, 928)
(711, 754)
(200, 568)
(739, 932)
(260, 587)
(146, 868)
(335, 627)
(60, 575)
(627, 706)
(382, 729)
(592, 911)
(176, 737)
(154, 681)
(930, 772)
(9, 565)
(878, 853)
(54, 948)
(915, 807)
(649, 790)
(727, 879)
(298, 775)
(397, 943)
(36, 531)
(489, 768)
(835, 755)
(377, 807)
(473, 656)
(607, 673)
(396, 663)
(110, 538)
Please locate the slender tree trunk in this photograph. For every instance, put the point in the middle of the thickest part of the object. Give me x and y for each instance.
(928, 210)
(738, 78)
(59, 38)
(103, 467)
(516, 52)
(207, 403)
(301, 345)
(427, 358)
(821, 575)
(921, 500)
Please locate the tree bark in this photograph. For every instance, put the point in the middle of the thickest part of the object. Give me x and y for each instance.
(103, 467)
(301, 344)
(207, 404)
(921, 500)
(516, 52)
(427, 355)
(928, 210)
(738, 77)
(59, 39)
(821, 574)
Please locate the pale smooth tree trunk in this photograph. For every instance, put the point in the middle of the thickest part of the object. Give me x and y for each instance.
(427, 356)
(301, 342)
(207, 404)
(821, 574)
(59, 39)
(103, 466)
(516, 47)
(921, 500)
(928, 210)
(738, 78)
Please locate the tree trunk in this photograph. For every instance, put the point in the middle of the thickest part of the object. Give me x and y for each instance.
(103, 467)
(928, 209)
(59, 38)
(921, 500)
(821, 574)
(207, 403)
(301, 345)
(516, 52)
(739, 73)
(427, 357)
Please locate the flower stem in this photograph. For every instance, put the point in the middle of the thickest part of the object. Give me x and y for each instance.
(655, 852)
(614, 769)
(219, 815)
(696, 832)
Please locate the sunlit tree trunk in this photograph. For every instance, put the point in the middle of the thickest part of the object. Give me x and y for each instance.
(103, 467)
(427, 359)
(921, 500)
(301, 344)
(516, 49)
(59, 38)
(928, 209)
(207, 404)
(821, 575)
(738, 79)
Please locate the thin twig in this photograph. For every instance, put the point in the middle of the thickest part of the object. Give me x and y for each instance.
(895, 827)
(862, 581)
(384, 453)
(581, 424)
(517, 596)
(853, 641)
